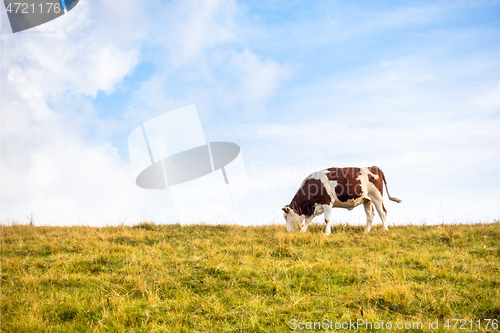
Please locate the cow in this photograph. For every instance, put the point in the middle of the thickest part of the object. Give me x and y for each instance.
(338, 187)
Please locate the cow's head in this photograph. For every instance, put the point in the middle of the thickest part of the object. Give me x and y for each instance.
(293, 220)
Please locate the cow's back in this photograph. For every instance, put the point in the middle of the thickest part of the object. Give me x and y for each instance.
(340, 187)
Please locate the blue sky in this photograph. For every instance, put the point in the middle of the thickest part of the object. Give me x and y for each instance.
(410, 86)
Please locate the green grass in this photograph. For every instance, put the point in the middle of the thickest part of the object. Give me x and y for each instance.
(172, 278)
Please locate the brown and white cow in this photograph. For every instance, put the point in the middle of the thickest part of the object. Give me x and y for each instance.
(338, 187)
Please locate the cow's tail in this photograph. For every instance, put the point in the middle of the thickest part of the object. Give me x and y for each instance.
(387, 190)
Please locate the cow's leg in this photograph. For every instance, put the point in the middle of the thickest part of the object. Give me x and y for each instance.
(306, 224)
(379, 206)
(328, 219)
(370, 214)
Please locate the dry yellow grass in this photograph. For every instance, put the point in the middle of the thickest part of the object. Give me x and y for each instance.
(172, 278)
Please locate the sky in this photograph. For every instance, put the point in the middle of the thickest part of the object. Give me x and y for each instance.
(410, 86)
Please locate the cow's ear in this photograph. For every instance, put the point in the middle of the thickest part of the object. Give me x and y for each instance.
(285, 209)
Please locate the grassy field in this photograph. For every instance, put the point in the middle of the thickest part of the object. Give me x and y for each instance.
(172, 278)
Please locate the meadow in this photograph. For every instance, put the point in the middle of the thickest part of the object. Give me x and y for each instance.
(228, 278)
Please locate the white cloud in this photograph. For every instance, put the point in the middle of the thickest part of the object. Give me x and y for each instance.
(259, 77)
(109, 66)
(51, 173)
(188, 28)
(491, 99)
(248, 80)
(78, 56)
(49, 168)
(227, 83)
